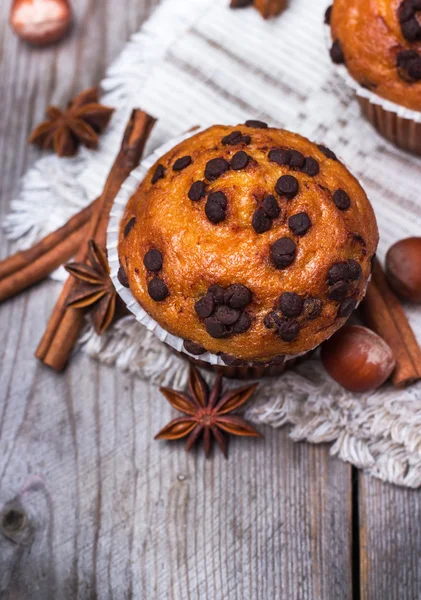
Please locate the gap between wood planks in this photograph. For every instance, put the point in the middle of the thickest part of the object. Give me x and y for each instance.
(355, 540)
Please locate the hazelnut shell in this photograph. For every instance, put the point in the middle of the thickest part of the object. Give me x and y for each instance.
(41, 22)
(403, 269)
(358, 359)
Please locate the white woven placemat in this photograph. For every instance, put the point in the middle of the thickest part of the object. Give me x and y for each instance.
(201, 63)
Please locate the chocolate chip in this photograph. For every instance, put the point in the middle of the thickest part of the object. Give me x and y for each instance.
(232, 361)
(197, 191)
(311, 167)
(159, 173)
(205, 306)
(272, 320)
(153, 260)
(297, 160)
(237, 296)
(215, 168)
(227, 315)
(239, 160)
(338, 272)
(122, 277)
(215, 329)
(291, 304)
(348, 270)
(359, 239)
(157, 289)
(289, 329)
(287, 186)
(409, 65)
(240, 3)
(346, 308)
(312, 308)
(232, 138)
(327, 152)
(405, 11)
(354, 270)
(283, 252)
(328, 15)
(299, 223)
(261, 222)
(228, 359)
(414, 70)
(341, 199)
(271, 207)
(411, 29)
(236, 137)
(193, 348)
(218, 198)
(218, 292)
(129, 226)
(336, 53)
(280, 156)
(182, 163)
(216, 206)
(243, 324)
(338, 291)
(256, 124)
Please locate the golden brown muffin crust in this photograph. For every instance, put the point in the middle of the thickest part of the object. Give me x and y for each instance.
(195, 253)
(380, 41)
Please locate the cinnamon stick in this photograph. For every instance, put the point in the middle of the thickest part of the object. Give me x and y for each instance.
(270, 8)
(27, 267)
(384, 313)
(38, 270)
(65, 324)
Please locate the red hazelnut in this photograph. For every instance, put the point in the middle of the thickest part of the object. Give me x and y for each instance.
(40, 22)
(358, 358)
(403, 269)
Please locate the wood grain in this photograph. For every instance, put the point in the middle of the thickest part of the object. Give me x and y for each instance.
(111, 514)
(390, 541)
(114, 514)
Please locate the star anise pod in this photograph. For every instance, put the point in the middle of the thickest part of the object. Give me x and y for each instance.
(207, 413)
(81, 123)
(94, 288)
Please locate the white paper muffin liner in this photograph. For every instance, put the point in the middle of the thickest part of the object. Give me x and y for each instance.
(127, 190)
(361, 92)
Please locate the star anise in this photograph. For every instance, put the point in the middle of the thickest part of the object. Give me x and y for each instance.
(207, 413)
(81, 123)
(94, 288)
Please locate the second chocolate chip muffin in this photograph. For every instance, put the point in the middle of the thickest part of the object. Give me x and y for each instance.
(380, 43)
(248, 242)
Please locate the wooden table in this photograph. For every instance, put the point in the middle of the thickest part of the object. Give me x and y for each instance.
(110, 512)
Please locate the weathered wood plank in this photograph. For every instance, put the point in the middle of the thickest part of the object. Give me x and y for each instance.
(116, 514)
(390, 541)
(111, 513)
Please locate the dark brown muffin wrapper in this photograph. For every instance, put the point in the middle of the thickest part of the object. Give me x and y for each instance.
(246, 372)
(403, 133)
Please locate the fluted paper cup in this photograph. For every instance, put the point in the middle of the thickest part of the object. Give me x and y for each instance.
(207, 360)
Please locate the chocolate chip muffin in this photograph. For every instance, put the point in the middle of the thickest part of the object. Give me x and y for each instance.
(379, 42)
(248, 242)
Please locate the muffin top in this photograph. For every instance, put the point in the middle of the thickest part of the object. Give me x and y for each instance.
(380, 42)
(248, 242)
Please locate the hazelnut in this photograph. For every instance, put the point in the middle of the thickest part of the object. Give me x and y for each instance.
(41, 22)
(403, 268)
(358, 358)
